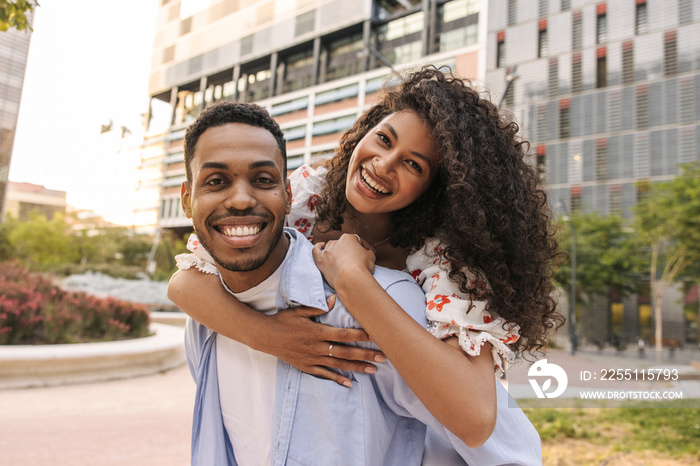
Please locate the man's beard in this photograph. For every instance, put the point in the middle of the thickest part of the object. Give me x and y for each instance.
(238, 266)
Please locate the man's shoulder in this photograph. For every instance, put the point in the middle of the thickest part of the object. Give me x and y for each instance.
(404, 290)
(388, 276)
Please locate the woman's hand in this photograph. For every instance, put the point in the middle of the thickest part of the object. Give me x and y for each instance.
(305, 344)
(349, 254)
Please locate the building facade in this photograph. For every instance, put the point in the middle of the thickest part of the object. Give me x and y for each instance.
(14, 49)
(24, 199)
(314, 64)
(608, 94)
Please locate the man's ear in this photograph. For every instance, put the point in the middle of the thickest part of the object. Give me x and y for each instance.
(288, 189)
(186, 199)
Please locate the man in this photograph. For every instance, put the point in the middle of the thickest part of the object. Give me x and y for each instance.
(251, 408)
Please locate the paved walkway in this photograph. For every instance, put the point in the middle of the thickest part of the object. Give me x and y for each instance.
(138, 421)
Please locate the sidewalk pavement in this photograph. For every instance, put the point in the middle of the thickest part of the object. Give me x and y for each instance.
(137, 421)
(142, 420)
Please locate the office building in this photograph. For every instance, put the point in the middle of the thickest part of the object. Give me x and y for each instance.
(608, 93)
(314, 64)
(24, 199)
(14, 49)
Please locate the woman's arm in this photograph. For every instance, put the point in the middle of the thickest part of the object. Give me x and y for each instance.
(458, 389)
(290, 335)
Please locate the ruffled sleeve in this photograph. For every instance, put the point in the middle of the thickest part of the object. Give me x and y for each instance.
(199, 259)
(453, 313)
(306, 184)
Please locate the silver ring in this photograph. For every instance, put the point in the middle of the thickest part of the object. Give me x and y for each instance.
(330, 348)
(358, 237)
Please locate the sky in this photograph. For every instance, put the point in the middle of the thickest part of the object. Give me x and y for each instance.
(88, 63)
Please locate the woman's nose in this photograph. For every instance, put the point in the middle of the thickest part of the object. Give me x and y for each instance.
(384, 164)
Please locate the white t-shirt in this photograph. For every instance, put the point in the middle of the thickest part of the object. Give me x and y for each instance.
(247, 383)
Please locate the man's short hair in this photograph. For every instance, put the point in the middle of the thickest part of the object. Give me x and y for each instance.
(223, 113)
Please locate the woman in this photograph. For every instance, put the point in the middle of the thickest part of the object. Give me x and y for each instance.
(434, 181)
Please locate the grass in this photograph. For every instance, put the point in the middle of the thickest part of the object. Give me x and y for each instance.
(633, 433)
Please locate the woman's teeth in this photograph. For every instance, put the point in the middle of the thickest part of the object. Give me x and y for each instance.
(371, 184)
(239, 231)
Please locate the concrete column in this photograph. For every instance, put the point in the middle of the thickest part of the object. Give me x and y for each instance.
(318, 67)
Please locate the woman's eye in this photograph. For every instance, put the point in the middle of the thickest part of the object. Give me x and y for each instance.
(414, 165)
(382, 137)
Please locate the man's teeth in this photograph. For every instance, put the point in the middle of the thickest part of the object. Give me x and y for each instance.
(372, 184)
(240, 231)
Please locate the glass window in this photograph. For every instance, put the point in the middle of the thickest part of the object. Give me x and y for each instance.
(460, 37)
(641, 25)
(457, 9)
(401, 27)
(543, 43)
(601, 160)
(500, 53)
(512, 12)
(601, 69)
(670, 54)
(577, 31)
(685, 11)
(298, 72)
(601, 32)
(576, 73)
(343, 59)
(627, 62)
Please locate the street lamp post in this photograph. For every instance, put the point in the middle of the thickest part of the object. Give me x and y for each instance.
(572, 292)
(572, 309)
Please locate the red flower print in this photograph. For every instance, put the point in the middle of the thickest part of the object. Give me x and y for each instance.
(313, 202)
(488, 319)
(304, 172)
(438, 302)
(436, 279)
(510, 339)
(416, 273)
(302, 225)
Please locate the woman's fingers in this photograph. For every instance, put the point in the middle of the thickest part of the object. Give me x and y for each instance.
(345, 353)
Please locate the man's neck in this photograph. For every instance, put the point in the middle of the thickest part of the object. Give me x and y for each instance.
(239, 282)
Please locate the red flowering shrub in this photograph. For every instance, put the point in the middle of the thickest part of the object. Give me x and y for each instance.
(35, 311)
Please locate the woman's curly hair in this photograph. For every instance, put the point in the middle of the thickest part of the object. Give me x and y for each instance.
(485, 205)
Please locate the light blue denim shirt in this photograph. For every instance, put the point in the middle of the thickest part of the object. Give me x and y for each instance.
(378, 421)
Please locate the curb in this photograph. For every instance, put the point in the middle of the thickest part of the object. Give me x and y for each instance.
(24, 366)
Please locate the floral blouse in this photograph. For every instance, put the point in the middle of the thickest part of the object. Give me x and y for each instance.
(449, 311)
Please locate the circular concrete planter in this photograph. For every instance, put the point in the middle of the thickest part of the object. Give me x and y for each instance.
(23, 366)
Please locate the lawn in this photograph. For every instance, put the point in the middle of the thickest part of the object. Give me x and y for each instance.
(626, 434)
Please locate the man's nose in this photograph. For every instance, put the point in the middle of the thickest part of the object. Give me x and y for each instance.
(240, 196)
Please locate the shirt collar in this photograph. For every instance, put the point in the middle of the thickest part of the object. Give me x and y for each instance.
(301, 283)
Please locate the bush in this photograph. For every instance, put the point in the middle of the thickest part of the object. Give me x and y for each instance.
(35, 311)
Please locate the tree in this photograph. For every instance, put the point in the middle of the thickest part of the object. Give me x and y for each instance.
(13, 14)
(48, 243)
(667, 221)
(604, 259)
(603, 249)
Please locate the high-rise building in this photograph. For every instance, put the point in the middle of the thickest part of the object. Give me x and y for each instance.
(608, 94)
(14, 49)
(314, 64)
